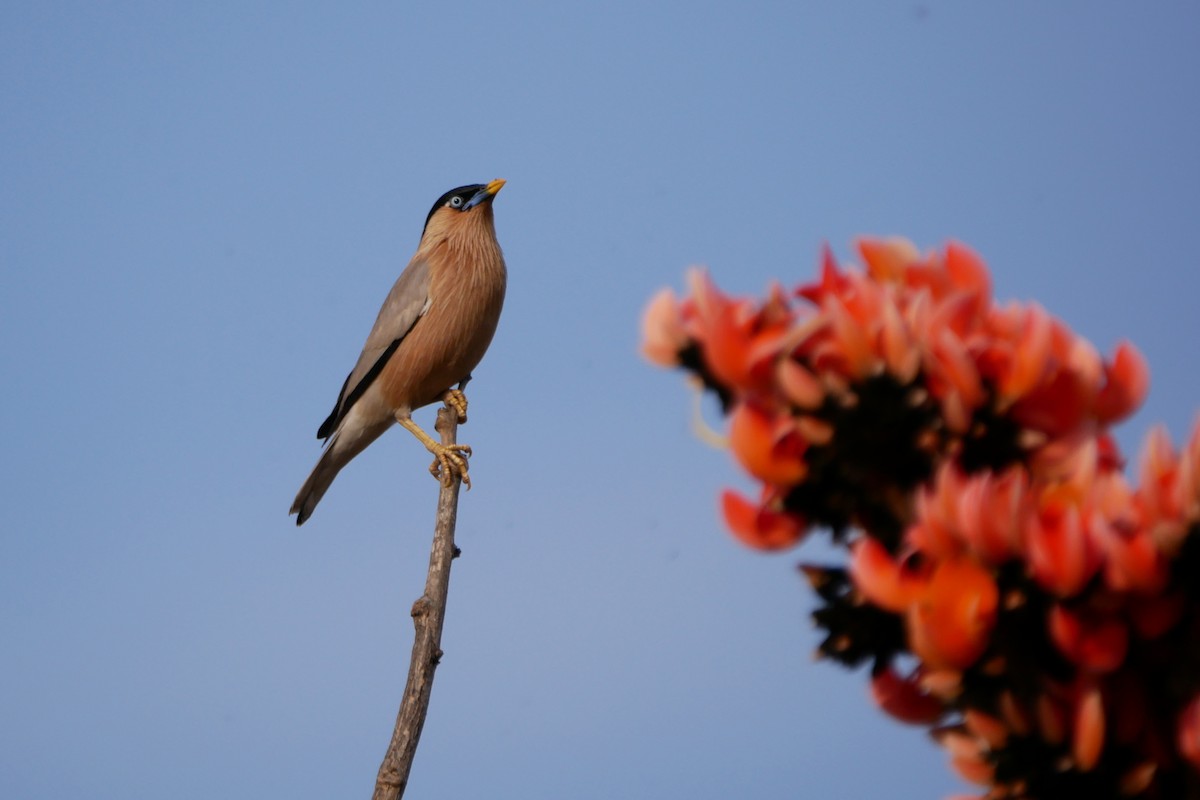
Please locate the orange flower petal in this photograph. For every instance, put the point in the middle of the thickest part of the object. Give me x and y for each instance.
(1153, 616)
(1088, 739)
(986, 727)
(1055, 406)
(904, 699)
(1062, 558)
(815, 431)
(974, 769)
(832, 280)
(739, 341)
(759, 527)
(966, 755)
(1157, 473)
(1187, 732)
(1052, 720)
(1095, 642)
(886, 259)
(727, 345)
(938, 528)
(1127, 380)
(1004, 513)
(851, 340)
(945, 684)
(967, 271)
(950, 624)
(767, 445)
(956, 314)
(1133, 561)
(799, 385)
(1030, 358)
(1137, 779)
(955, 367)
(1187, 483)
(900, 352)
(1016, 715)
(877, 575)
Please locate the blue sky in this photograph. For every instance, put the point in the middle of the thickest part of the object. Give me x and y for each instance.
(201, 208)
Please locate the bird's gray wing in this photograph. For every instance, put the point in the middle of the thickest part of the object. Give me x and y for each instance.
(405, 304)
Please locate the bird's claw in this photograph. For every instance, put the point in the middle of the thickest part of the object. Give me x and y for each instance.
(456, 401)
(450, 462)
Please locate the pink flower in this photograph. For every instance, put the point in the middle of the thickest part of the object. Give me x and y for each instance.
(663, 332)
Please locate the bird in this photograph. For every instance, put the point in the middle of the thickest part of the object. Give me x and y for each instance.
(432, 331)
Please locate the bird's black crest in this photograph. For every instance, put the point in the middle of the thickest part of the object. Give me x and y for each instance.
(465, 192)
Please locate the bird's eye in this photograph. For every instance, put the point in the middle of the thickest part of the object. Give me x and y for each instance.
(456, 202)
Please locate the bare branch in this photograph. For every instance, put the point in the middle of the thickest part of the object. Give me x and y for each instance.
(428, 613)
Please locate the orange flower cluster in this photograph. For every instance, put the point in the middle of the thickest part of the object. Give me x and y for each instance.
(1050, 609)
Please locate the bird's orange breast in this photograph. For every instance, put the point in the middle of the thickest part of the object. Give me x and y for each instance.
(466, 293)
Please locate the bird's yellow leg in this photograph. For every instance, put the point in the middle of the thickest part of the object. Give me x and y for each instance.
(450, 461)
(457, 400)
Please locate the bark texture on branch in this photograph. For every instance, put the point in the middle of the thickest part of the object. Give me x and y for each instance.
(428, 613)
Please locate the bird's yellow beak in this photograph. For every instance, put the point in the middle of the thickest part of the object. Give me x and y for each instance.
(484, 194)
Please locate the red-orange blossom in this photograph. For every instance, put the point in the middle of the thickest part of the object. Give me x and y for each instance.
(960, 448)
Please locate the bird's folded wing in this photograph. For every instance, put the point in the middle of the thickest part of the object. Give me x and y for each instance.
(405, 304)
